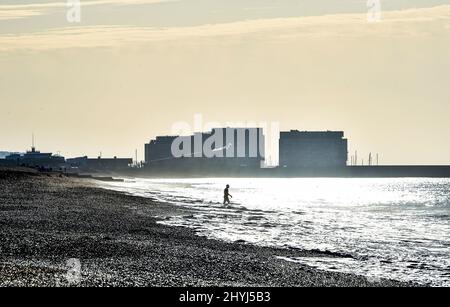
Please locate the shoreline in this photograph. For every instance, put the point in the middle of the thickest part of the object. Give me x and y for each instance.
(46, 220)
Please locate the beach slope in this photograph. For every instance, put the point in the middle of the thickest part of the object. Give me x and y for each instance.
(48, 221)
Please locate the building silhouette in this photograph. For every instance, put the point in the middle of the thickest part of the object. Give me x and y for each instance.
(218, 149)
(35, 158)
(312, 149)
(100, 164)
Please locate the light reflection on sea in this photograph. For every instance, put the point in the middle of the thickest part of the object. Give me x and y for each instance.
(394, 228)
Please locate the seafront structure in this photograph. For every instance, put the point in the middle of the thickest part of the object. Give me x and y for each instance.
(312, 149)
(49, 161)
(231, 152)
(35, 158)
(100, 164)
(218, 149)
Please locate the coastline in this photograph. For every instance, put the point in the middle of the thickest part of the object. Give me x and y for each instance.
(46, 219)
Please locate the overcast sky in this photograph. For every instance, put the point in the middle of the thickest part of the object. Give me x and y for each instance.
(130, 69)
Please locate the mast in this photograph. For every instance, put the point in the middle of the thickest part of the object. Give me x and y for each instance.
(33, 148)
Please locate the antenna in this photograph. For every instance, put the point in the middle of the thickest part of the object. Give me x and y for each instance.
(32, 141)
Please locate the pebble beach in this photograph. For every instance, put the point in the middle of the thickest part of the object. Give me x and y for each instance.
(49, 220)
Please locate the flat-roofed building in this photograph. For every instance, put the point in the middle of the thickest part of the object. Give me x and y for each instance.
(100, 164)
(313, 149)
(219, 148)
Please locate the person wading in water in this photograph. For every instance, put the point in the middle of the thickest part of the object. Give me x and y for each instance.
(226, 195)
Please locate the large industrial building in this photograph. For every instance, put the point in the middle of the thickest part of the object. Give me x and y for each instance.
(312, 149)
(221, 148)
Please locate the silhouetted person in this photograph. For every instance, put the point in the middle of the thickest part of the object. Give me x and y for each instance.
(226, 196)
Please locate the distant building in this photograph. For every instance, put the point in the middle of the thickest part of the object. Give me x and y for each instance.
(4, 162)
(3, 154)
(100, 164)
(221, 148)
(35, 158)
(159, 149)
(316, 149)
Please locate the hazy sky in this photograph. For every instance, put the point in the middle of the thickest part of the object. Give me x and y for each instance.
(132, 68)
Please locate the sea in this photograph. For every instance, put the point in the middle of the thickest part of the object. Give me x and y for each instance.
(396, 228)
